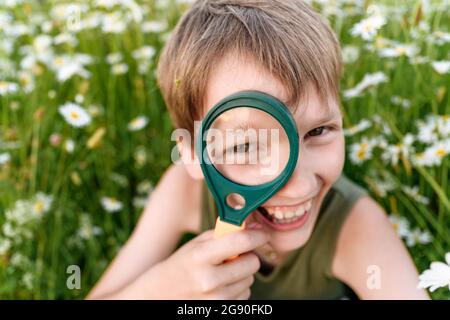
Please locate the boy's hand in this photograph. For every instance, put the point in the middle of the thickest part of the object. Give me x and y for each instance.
(197, 270)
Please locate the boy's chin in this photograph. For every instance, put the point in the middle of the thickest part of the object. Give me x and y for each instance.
(287, 241)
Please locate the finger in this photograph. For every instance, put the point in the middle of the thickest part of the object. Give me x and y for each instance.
(234, 244)
(245, 295)
(235, 289)
(244, 266)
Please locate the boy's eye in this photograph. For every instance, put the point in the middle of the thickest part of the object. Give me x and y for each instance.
(317, 131)
(241, 148)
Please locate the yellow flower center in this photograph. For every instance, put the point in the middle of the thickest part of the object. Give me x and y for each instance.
(367, 27)
(400, 51)
(440, 152)
(39, 207)
(74, 115)
(361, 154)
(59, 61)
(395, 226)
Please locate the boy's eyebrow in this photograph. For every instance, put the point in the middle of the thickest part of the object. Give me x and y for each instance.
(240, 124)
(245, 124)
(325, 118)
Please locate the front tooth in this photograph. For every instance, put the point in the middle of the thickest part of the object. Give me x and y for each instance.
(299, 212)
(288, 214)
(278, 214)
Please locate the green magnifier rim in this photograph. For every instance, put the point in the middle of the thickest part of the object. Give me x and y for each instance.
(219, 185)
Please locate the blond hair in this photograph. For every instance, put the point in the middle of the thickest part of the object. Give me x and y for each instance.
(287, 37)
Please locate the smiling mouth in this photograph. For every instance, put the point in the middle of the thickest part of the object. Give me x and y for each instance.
(285, 215)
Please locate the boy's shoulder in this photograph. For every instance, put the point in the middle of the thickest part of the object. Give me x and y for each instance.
(178, 189)
(365, 227)
(349, 189)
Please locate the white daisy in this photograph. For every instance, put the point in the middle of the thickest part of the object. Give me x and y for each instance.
(368, 28)
(95, 110)
(119, 69)
(153, 26)
(145, 52)
(28, 280)
(370, 79)
(362, 151)
(433, 155)
(437, 276)
(400, 224)
(139, 202)
(399, 50)
(413, 192)
(114, 58)
(41, 204)
(359, 127)
(4, 158)
(443, 125)
(74, 114)
(418, 236)
(5, 245)
(140, 156)
(111, 204)
(69, 145)
(79, 98)
(393, 153)
(64, 11)
(107, 4)
(439, 37)
(144, 187)
(67, 66)
(87, 229)
(7, 87)
(65, 38)
(113, 22)
(382, 187)
(138, 123)
(350, 54)
(427, 130)
(405, 103)
(442, 66)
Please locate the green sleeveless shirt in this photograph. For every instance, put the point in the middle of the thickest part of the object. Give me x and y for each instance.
(306, 272)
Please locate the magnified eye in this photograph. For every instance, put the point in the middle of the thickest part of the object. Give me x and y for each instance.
(241, 148)
(317, 131)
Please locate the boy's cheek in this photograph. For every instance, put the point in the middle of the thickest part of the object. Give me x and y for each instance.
(191, 164)
(194, 171)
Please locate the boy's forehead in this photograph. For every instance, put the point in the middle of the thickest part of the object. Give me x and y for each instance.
(232, 75)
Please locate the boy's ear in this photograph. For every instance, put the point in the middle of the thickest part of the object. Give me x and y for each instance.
(190, 160)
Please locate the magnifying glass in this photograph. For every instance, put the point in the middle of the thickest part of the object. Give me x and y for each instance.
(248, 148)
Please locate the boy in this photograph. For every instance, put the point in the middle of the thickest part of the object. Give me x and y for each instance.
(339, 237)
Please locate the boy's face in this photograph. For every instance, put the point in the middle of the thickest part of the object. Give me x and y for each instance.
(290, 214)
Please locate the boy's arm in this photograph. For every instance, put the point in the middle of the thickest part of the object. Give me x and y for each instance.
(369, 253)
(166, 216)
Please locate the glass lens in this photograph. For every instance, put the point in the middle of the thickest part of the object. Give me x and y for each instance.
(247, 146)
